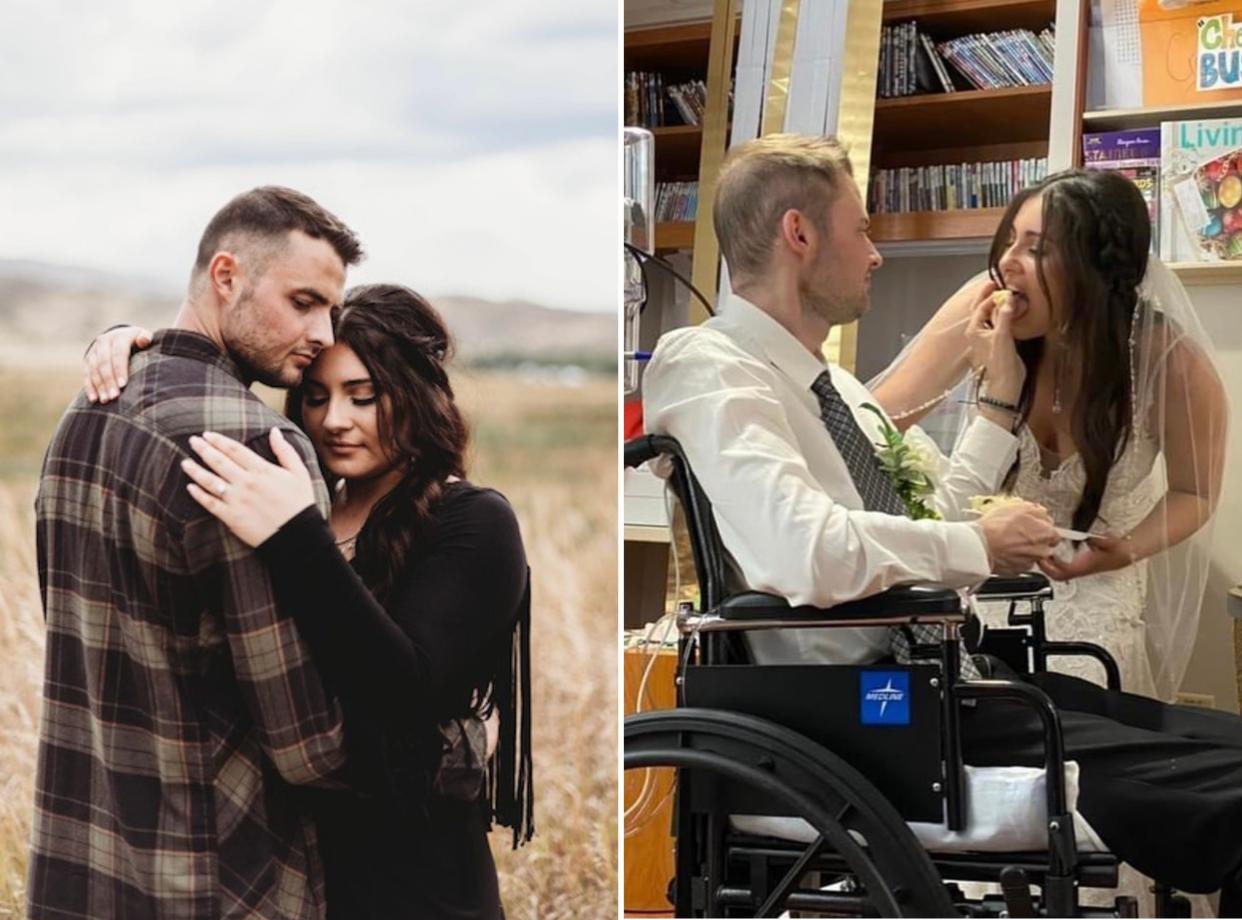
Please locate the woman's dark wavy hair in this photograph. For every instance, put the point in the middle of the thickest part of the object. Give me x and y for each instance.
(1097, 226)
(404, 345)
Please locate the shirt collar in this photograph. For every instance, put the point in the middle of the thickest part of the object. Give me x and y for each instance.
(779, 346)
(182, 343)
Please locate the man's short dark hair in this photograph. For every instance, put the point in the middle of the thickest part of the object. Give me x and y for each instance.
(271, 212)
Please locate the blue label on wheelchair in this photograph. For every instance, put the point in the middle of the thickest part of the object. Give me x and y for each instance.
(884, 697)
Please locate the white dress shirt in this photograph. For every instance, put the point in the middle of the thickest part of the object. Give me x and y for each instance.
(735, 392)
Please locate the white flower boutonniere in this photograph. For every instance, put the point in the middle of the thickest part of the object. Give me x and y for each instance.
(907, 467)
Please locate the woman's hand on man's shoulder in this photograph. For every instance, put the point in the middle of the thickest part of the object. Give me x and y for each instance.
(105, 366)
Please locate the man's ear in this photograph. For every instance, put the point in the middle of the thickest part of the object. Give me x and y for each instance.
(224, 276)
(797, 232)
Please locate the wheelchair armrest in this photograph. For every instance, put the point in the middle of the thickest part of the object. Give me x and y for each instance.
(1014, 587)
(905, 603)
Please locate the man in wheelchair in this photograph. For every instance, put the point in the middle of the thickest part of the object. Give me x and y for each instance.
(773, 463)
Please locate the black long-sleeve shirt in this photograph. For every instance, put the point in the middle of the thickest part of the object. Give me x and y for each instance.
(400, 670)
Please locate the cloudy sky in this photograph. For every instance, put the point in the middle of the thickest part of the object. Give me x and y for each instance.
(472, 146)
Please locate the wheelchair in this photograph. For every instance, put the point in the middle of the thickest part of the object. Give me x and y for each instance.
(754, 740)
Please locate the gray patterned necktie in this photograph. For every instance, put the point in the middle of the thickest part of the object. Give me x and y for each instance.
(878, 494)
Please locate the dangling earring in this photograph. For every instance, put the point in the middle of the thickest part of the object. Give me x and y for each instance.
(1056, 380)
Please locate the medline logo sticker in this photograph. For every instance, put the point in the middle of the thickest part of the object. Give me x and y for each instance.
(884, 697)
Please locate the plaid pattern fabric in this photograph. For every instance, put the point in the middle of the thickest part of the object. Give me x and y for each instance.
(878, 494)
(179, 705)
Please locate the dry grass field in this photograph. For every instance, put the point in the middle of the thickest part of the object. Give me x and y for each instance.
(552, 451)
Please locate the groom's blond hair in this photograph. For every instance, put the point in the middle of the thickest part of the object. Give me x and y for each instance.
(762, 179)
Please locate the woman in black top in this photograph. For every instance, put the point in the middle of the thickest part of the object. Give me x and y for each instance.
(425, 635)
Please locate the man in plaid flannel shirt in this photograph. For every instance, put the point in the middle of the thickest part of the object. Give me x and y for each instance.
(180, 707)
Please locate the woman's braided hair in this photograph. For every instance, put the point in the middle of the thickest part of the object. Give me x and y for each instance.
(1097, 229)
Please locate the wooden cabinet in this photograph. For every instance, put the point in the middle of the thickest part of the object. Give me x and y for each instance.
(649, 851)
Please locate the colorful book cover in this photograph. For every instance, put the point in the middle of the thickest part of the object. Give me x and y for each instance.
(1192, 52)
(1134, 154)
(1138, 144)
(1201, 182)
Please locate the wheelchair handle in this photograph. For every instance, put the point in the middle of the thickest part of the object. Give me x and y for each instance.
(647, 447)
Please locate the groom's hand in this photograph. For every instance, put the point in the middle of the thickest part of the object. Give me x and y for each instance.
(1018, 535)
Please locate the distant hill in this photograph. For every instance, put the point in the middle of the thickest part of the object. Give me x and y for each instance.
(49, 312)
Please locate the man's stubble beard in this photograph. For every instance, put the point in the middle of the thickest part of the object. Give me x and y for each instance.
(240, 341)
(834, 308)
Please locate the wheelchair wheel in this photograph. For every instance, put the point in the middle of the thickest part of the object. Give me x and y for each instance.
(889, 872)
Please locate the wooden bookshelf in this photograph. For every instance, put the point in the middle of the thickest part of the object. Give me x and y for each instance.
(678, 234)
(976, 223)
(966, 126)
(1208, 272)
(970, 118)
(680, 53)
(1125, 119)
(677, 150)
(681, 41)
(960, 17)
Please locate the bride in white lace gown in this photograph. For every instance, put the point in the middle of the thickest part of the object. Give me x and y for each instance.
(1118, 410)
(1105, 608)
(1119, 416)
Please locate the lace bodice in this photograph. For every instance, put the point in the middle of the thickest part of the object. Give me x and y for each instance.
(1107, 608)
(1128, 497)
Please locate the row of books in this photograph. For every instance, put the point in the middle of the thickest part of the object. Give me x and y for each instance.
(907, 60)
(911, 62)
(676, 201)
(649, 103)
(952, 187)
(691, 101)
(644, 99)
(1190, 175)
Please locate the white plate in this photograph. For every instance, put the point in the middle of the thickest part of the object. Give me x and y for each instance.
(1073, 534)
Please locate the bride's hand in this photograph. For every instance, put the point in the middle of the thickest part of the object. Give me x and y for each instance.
(1105, 553)
(105, 366)
(992, 347)
(254, 498)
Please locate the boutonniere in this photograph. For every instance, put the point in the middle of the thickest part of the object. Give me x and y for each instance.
(907, 467)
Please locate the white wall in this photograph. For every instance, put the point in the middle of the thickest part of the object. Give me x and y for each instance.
(1212, 667)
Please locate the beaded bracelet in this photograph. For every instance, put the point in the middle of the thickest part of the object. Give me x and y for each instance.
(998, 404)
